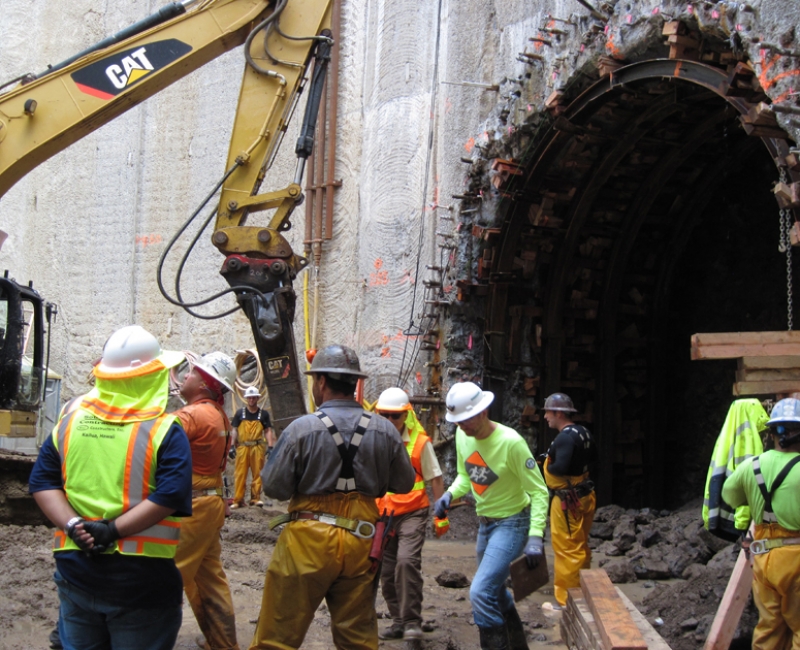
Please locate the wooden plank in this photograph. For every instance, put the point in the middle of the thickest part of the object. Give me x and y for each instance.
(745, 338)
(579, 623)
(780, 362)
(614, 622)
(785, 374)
(732, 605)
(765, 387)
(654, 640)
(732, 345)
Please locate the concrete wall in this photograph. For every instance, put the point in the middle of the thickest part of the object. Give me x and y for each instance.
(89, 225)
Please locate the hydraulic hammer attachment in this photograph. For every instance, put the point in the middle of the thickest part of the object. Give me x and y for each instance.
(270, 309)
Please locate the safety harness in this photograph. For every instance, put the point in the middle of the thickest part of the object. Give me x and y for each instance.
(759, 546)
(345, 483)
(347, 480)
(571, 499)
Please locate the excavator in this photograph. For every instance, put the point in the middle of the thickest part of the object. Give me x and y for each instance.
(287, 46)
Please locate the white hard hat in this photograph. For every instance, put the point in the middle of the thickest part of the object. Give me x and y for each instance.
(465, 400)
(393, 399)
(251, 391)
(130, 350)
(218, 366)
(785, 411)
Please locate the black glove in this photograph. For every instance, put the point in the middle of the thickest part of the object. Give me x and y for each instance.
(268, 452)
(232, 453)
(72, 533)
(104, 533)
(534, 551)
(442, 505)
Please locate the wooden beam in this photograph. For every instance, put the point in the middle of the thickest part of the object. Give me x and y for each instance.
(732, 605)
(765, 387)
(654, 640)
(614, 622)
(767, 363)
(732, 345)
(774, 374)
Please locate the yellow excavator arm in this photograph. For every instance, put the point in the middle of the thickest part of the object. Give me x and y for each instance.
(43, 114)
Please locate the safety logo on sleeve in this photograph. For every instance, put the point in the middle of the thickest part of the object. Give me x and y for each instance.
(108, 77)
(480, 475)
(530, 463)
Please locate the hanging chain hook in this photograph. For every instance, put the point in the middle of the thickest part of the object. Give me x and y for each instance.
(785, 246)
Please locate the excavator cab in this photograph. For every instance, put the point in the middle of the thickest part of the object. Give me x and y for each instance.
(22, 367)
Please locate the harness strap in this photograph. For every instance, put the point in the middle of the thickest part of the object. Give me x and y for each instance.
(769, 515)
(347, 481)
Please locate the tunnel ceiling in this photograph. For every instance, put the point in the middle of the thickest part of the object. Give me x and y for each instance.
(602, 208)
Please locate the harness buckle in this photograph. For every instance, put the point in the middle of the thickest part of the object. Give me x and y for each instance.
(327, 519)
(364, 525)
(759, 546)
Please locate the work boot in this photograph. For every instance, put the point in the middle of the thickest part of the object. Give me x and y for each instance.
(55, 639)
(494, 638)
(393, 632)
(517, 638)
(412, 631)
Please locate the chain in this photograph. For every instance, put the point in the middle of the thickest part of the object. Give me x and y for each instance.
(785, 246)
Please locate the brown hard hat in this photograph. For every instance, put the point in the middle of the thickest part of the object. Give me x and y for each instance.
(338, 362)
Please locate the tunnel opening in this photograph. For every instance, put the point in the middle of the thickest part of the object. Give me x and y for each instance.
(643, 214)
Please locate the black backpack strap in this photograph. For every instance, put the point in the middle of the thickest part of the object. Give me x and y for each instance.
(769, 516)
(347, 481)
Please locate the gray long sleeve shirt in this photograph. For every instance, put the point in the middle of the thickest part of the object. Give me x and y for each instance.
(306, 461)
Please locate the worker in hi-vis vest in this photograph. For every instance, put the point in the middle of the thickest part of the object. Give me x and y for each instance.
(770, 483)
(114, 477)
(401, 572)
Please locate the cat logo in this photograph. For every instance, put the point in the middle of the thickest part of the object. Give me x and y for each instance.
(108, 77)
(278, 368)
(134, 67)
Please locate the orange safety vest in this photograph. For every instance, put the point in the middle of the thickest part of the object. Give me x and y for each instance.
(418, 497)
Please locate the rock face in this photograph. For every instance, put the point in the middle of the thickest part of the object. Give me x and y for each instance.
(650, 545)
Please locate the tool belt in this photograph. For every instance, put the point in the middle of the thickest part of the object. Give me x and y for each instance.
(582, 489)
(761, 546)
(359, 528)
(210, 492)
(253, 443)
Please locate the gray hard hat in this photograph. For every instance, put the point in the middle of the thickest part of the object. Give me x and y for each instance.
(559, 402)
(338, 362)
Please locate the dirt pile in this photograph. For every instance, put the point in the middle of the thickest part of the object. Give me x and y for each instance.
(648, 545)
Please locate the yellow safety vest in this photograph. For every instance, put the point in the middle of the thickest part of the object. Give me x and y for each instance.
(107, 469)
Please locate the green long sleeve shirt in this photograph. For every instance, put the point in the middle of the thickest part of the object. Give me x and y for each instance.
(741, 488)
(502, 475)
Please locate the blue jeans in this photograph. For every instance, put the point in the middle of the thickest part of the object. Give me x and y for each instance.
(499, 544)
(88, 623)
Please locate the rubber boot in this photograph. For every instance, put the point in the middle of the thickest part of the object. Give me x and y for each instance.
(517, 639)
(494, 638)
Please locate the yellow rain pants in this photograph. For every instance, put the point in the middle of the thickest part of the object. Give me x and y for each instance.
(570, 542)
(198, 560)
(775, 592)
(248, 459)
(312, 561)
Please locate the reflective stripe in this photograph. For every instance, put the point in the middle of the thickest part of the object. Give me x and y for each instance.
(116, 414)
(138, 463)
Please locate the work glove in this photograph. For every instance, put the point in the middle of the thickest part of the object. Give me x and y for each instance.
(104, 533)
(73, 534)
(534, 551)
(442, 505)
(268, 452)
(232, 453)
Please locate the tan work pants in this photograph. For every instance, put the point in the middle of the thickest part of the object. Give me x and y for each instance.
(312, 561)
(401, 573)
(198, 560)
(248, 459)
(776, 592)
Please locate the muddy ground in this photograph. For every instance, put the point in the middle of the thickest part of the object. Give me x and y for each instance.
(681, 607)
